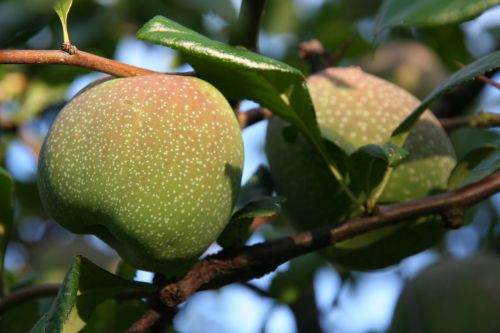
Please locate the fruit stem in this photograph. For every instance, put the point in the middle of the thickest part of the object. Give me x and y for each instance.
(372, 200)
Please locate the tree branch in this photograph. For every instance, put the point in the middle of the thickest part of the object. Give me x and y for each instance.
(483, 119)
(255, 261)
(253, 116)
(78, 58)
(246, 32)
(26, 294)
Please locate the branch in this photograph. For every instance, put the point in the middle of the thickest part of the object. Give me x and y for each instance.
(483, 119)
(247, 31)
(145, 322)
(255, 261)
(26, 294)
(78, 58)
(253, 116)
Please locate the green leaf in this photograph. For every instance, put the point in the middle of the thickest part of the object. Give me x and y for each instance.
(6, 213)
(466, 139)
(259, 185)
(463, 168)
(114, 316)
(483, 168)
(429, 12)
(85, 287)
(62, 8)
(269, 82)
(237, 231)
(241, 74)
(478, 67)
(369, 164)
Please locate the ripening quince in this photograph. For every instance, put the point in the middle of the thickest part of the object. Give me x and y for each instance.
(150, 164)
(354, 109)
(458, 296)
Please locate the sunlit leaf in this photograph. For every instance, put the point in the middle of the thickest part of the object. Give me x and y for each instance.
(241, 74)
(62, 8)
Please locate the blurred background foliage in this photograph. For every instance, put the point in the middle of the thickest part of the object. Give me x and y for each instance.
(308, 294)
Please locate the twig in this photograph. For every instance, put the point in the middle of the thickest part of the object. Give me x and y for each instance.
(145, 322)
(253, 116)
(20, 296)
(26, 294)
(159, 316)
(483, 119)
(79, 59)
(257, 260)
(247, 31)
(318, 58)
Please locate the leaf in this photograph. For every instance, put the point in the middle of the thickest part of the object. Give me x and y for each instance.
(466, 139)
(429, 12)
(237, 231)
(6, 213)
(484, 168)
(478, 67)
(62, 8)
(113, 316)
(463, 168)
(259, 185)
(84, 288)
(369, 164)
(269, 82)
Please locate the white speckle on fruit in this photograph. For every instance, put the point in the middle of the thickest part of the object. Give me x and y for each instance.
(158, 158)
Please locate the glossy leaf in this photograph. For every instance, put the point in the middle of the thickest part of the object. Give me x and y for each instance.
(429, 12)
(478, 67)
(6, 213)
(62, 8)
(369, 164)
(237, 231)
(85, 287)
(464, 167)
(269, 82)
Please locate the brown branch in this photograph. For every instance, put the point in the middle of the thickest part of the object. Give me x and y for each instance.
(483, 119)
(148, 319)
(17, 297)
(79, 59)
(159, 317)
(20, 296)
(257, 260)
(253, 116)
